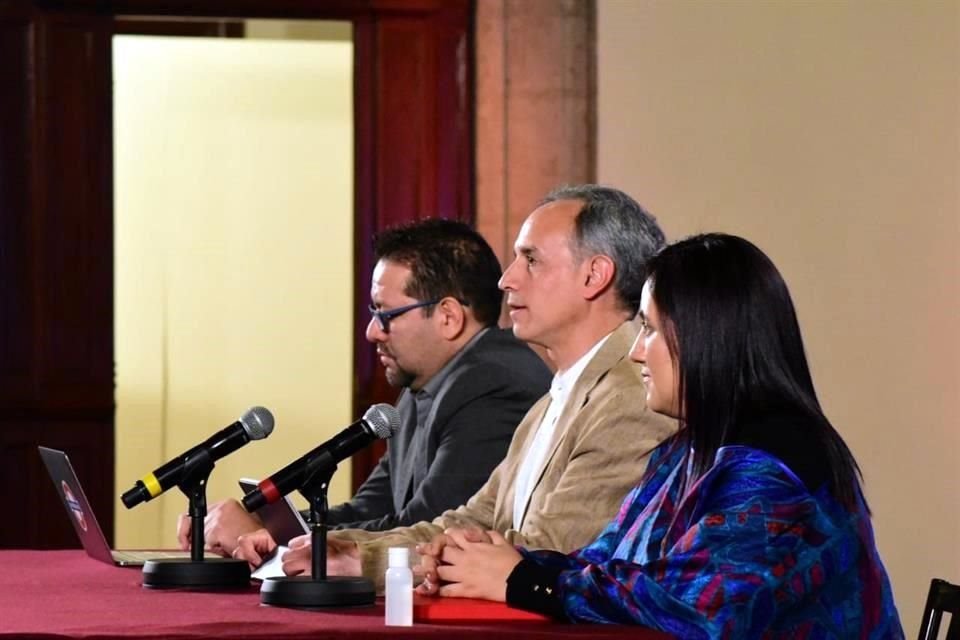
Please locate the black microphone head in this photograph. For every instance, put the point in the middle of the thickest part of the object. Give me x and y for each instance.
(257, 422)
(384, 419)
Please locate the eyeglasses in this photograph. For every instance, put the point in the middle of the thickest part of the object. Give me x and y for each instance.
(384, 317)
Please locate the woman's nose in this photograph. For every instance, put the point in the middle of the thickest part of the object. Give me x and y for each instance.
(638, 350)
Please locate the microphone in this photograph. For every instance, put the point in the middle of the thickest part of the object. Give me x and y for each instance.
(380, 422)
(255, 424)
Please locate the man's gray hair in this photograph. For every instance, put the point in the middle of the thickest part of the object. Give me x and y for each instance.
(613, 224)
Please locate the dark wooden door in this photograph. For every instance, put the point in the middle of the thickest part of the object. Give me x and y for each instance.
(56, 271)
(413, 119)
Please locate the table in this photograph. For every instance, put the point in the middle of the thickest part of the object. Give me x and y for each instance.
(67, 594)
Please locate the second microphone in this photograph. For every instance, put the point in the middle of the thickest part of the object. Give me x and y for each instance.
(380, 422)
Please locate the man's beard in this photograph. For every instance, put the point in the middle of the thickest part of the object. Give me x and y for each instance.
(399, 377)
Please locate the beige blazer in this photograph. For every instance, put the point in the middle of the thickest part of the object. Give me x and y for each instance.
(600, 448)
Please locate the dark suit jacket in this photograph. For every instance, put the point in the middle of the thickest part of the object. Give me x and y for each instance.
(449, 454)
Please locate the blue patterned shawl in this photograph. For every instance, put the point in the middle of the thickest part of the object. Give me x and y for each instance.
(747, 552)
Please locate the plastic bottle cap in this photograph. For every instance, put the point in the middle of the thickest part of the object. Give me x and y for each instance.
(398, 557)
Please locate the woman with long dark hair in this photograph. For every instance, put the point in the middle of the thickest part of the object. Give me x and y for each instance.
(751, 521)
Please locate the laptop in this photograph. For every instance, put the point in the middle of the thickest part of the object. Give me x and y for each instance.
(281, 518)
(85, 523)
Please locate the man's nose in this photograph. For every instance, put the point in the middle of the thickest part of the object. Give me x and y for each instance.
(506, 280)
(375, 332)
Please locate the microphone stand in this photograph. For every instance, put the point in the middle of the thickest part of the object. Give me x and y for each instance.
(198, 572)
(317, 590)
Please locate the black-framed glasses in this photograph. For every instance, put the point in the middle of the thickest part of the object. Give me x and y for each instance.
(384, 317)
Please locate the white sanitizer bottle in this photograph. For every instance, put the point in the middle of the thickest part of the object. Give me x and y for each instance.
(399, 588)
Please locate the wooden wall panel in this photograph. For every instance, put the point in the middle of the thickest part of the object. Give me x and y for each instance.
(73, 213)
(16, 302)
(30, 492)
(56, 252)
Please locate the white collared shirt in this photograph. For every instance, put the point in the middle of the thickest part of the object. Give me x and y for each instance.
(532, 464)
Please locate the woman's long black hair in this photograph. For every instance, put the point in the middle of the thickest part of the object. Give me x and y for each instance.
(733, 334)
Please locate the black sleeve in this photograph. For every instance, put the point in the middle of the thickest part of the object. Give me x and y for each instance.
(373, 500)
(533, 587)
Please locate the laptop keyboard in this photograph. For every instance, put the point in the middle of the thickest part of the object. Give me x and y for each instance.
(143, 556)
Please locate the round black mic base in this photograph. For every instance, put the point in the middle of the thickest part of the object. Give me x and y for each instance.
(212, 574)
(306, 593)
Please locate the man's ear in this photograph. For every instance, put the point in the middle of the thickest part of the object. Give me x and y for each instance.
(451, 318)
(599, 272)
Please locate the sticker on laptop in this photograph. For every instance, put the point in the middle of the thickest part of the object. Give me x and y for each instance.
(74, 505)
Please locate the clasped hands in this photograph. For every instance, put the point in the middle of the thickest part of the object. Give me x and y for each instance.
(467, 563)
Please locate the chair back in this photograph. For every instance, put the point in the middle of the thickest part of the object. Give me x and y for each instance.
(943, 597)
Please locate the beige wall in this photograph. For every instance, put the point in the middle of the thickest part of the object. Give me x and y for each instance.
(828, 132)
(234, 243)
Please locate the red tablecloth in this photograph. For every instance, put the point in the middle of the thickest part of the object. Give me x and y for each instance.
(45, 594)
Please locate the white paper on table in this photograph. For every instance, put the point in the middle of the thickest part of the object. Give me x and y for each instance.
(273, 567)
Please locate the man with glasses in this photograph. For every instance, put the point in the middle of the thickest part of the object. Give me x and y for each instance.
(466, 383)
